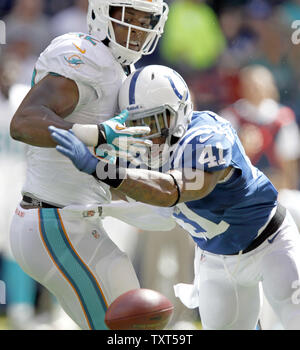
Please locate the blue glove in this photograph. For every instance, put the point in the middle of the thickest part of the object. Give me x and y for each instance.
(70, 146)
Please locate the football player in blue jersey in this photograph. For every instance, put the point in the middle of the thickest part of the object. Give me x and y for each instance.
(198, 171)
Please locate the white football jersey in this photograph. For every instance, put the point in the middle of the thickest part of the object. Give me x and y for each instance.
(52, 177)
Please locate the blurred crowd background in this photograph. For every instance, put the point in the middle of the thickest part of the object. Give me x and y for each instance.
(240, 59)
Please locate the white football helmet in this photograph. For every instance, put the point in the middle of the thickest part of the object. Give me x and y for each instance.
(100, 25)
(158, 96)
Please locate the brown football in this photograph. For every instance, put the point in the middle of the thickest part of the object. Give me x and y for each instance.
(139, 309)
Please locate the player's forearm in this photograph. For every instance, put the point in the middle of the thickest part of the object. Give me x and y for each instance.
(166, 190)
(30, 125)
(149, 187)
(156, 188)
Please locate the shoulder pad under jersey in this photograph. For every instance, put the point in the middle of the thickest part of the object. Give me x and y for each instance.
(79, 57)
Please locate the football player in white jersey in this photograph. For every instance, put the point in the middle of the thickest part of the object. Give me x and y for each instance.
(75, 82)
(244, 238)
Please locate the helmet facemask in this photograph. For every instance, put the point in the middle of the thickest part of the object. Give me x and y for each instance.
(162, 121)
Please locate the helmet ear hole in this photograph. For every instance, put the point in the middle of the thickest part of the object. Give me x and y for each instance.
(93, 15)
(174, 140)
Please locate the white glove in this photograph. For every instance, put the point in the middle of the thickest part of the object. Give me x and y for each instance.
(113, 138)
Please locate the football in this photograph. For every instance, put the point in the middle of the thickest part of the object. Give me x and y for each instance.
(139, 309)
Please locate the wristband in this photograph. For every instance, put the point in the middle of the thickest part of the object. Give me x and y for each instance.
(111, 174)
(87, 133)
(178, 190)
(101, 135)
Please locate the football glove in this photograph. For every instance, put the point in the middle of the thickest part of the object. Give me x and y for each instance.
(70, 146)
(115, 133)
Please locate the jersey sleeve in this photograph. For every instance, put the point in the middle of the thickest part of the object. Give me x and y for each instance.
(140, 215)
(75, 58)
(208, 152)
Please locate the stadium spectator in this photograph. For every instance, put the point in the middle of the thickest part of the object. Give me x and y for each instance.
(5, 7)
(27, 19)
(239, 37)
(273, 50)
(72, 19)
(20, 52)
(267, 129)
(193, 38)
(287, 13)
(53, 7)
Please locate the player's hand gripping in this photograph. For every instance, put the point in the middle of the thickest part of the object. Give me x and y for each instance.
(70, 146)
(115, 133)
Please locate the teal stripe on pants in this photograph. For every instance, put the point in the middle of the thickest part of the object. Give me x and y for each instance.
(73, 268)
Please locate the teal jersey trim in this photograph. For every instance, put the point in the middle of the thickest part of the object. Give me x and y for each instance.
(35, 73)
(55, 74)
(74, 269)
(33, 77)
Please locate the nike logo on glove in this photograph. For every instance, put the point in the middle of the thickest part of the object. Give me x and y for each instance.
(119, 128)
(271, 240)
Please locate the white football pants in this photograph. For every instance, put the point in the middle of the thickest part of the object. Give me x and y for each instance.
(227, 288)
(68, 252)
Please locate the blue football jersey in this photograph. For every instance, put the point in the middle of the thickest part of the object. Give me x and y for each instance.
(230, 217)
